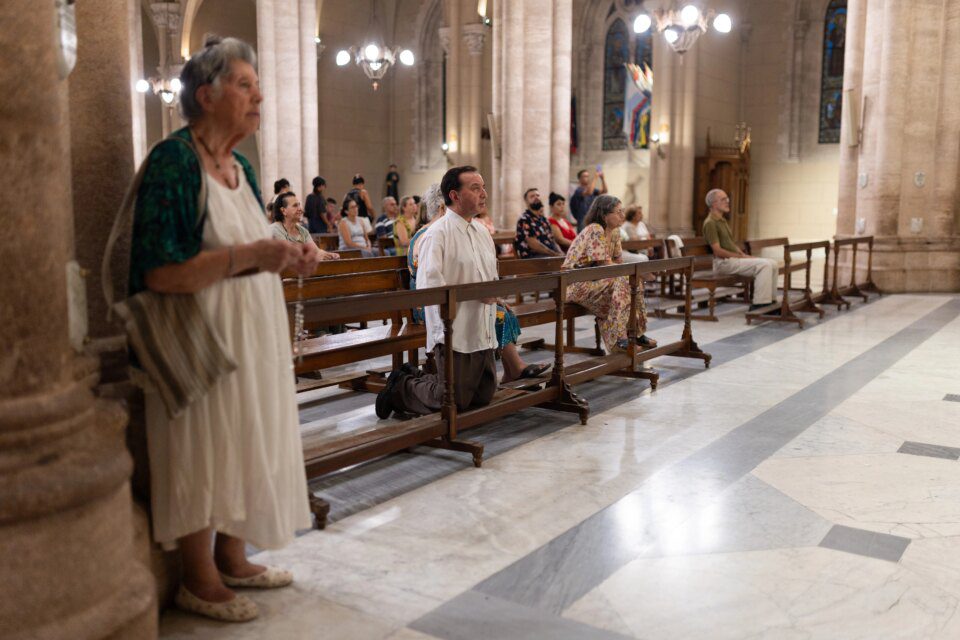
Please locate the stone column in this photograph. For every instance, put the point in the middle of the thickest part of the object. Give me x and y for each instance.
(310, 124)
(65, 509)
(852, 81)
(289, 129)
(102, 145)
(474, 37)
(674, 107)
(562, 90)
(907, 165)
(532, 89)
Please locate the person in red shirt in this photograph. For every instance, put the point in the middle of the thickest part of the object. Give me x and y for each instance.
(563, 231)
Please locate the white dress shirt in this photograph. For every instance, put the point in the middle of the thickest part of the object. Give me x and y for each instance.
(454, 251)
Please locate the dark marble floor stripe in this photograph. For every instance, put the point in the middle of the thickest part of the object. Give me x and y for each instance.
(473, 616)
(931, 450)
(871, 544)
(952, 397)
(353, 490)
(569, 566)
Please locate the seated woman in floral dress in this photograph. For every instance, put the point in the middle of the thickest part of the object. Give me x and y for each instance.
(608, 299)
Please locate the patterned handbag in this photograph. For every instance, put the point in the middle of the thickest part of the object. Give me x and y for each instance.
(177, 348)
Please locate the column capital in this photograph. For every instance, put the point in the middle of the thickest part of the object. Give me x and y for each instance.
(474, 36)
(166, 16)
(444, 33)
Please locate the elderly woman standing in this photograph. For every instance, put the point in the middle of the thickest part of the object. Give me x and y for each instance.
(609, 299)
(231, 465)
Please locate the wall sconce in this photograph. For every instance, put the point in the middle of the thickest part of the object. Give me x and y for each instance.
(655, 139)
(317, 40)
(916, 225)
(861, 226)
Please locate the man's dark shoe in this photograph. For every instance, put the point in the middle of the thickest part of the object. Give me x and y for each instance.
(384, 405)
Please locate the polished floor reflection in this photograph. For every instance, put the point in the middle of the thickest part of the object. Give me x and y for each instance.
(805, 486)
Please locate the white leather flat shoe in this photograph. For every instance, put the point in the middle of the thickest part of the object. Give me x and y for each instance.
(240, 609)
(270, 578)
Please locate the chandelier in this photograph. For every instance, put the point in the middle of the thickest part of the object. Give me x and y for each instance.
(373, 57)
(682, 27)
(168, 89)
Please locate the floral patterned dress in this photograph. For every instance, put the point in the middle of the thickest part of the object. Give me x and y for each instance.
(608, 299)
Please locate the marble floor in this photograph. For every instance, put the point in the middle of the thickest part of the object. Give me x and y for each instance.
(807, 485)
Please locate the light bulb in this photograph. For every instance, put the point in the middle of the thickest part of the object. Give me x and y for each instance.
(722, 23)
(671, 35)
(175, 85)
(654, 138)
(316, 39)
(142, 86)
(444, 146)
(690, 15)
(371, 52)
(406, 57)
(375, 66)
(642, 23)
(343, 57)
(166, 96)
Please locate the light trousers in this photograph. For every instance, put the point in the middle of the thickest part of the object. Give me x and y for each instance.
(627, 257)
(762, 270)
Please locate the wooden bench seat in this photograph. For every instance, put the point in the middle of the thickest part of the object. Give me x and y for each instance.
(354, 346)
(717, 287)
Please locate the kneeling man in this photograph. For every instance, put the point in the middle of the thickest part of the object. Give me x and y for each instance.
(728, 259)
(455, 250)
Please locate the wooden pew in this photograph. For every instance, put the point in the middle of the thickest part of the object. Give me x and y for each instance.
(385, 243)
(324, 453)
(537, 312)
(859, 290)
(789, 305)
(719, 287)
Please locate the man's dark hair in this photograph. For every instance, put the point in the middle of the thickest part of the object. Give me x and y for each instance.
(331, 201)
(580, 173)
(527, 192)
(358, 179)
(280, 184)
(280, 204)
(555, 198)
(451, 181)
(319, 182)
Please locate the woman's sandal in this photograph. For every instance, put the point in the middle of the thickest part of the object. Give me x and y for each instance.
(533, 371)
(269, 578)
(647, 343)
(239, 609)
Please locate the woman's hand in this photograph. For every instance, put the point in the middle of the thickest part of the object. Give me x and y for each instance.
(328, 255)
(276, 255)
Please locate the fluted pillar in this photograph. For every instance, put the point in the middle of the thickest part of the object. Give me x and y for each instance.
(905, 191)
(103, 147)
(673, 114)
(65, 512)
(289, 130)
(532, 87)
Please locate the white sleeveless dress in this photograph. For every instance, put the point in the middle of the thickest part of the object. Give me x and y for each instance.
(234, 460)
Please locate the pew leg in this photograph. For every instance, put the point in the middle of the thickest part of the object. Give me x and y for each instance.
(320, 509)
(570, 402)
(475, 449)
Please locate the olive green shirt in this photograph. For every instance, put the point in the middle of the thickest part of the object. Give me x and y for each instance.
(719, 231)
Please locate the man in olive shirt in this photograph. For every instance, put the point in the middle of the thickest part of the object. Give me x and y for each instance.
(728, 259)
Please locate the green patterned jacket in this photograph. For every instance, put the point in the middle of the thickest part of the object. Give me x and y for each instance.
(167, 228)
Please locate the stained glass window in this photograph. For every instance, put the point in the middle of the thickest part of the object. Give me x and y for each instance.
(617, 50)
(616, 53)
(831, 84)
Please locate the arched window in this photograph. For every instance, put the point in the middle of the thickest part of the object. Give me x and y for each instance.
(616, 53)
(831, 84)
(618, 47)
